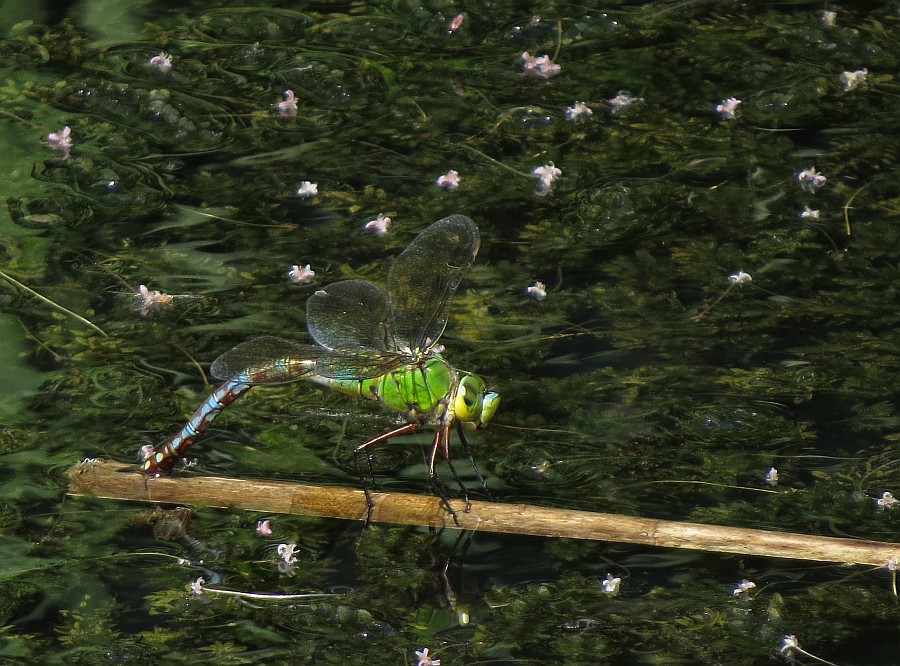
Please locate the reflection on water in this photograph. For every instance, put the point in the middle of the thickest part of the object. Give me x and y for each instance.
(714, 232)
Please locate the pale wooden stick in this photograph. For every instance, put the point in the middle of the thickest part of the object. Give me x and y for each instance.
(117, 481)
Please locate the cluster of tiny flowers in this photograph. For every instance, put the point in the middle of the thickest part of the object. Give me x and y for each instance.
(379, 225)
(728, 108)
(449, 181)
(299, 275)
(850, 80)
(740, 278)
(151, 299)
(809, 214)
(743, 587)
(547, 176)
(162, 62)
(810, 180)
(538, 291)
(541, 66)
(622, 102)
(887, 501)
(611, 584)
(288, 107)
(577, 110)
(61, 141)
(307, 190)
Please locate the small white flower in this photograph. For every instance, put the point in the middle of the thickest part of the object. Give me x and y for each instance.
(145, 452)
(771, 477)
(892, 564)
(61, 141)
(851, 80)
(538, 291)
(162, 62)
(728, 108)
(809, 214)
(739, 278)
(828, 18)
(449, 180)
(379, 225)
(810, 179)
(621, 102)
(788, 645)
(286, 553)
(151, 299)
(307, 190)
(264, 528)
(299, 275)
(611, 584)
(288, 107)
(425, 660)
(577, 110)
(742, 587)
(197, 586)
(887, 501)
(547, 176)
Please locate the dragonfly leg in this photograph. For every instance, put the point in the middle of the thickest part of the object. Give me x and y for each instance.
(364, 448)
(468, 451)
(440, 443)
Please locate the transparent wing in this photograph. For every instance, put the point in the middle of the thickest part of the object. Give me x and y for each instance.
(425, 276)
(267, 360)
(359, 363)
(350, 314)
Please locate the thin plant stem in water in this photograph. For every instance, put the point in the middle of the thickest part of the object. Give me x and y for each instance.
(52, 304)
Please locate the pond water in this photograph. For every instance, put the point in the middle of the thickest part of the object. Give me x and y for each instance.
(706, 192)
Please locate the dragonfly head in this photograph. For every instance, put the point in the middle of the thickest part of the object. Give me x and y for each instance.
(473, 404)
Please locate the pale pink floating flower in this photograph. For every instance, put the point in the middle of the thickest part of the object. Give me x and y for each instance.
(743, 587)
(449, 180)
(425, 660)
(299, 275)
(809, 214)
(621, 102)
(307, 190)
(264, 528)
(577, 110)
(788, 645)
(728, 108)
(547, 176)
(456, 23)
(61, 141)
(162, 62)
(288, 107)
(538, 291)
(771, 477)
(152, 299)
(611, 585)
(541, 66)
(851, 80)
(810, 179)
(379, 225)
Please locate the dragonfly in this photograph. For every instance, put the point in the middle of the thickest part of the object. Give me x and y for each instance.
(372, 344)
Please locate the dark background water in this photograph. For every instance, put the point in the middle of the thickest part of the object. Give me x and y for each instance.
(644, 384)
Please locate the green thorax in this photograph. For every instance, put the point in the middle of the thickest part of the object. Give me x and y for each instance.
(422, 390)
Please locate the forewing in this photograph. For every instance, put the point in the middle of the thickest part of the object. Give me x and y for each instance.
(350, 314)
(425, 276)
(267, 360)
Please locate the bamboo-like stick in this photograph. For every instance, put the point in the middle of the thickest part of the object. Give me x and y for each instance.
(117, 481)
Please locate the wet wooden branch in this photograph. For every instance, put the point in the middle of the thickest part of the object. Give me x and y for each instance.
(117, 481)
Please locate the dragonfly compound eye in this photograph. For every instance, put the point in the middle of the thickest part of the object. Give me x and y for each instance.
(467, 405)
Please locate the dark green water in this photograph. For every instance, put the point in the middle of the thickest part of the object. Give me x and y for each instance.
(643, 384)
